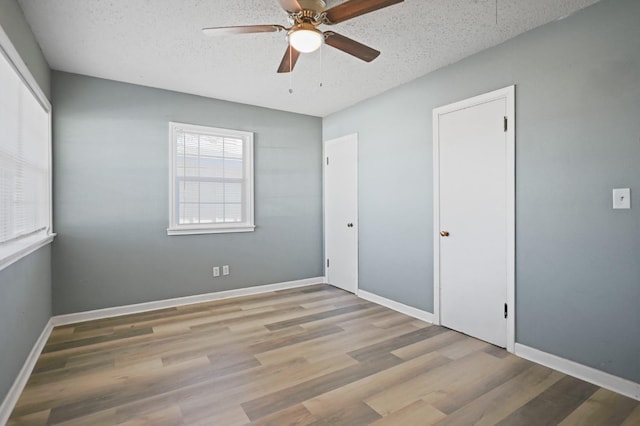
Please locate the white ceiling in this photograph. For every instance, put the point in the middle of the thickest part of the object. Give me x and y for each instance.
(159, 43)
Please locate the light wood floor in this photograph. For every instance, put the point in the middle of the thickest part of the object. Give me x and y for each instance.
(314, 355)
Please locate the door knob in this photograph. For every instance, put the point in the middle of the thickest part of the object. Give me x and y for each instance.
(349, 225)
(444, 233)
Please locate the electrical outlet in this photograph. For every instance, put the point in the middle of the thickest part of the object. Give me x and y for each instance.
(216, 271)
(225, 269)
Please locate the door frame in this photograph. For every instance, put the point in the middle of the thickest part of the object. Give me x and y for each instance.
(356, 220)
(507, 93)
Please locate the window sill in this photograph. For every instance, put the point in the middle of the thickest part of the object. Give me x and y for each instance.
(217, 230)
(13, 252)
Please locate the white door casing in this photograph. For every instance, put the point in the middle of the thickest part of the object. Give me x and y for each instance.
(474, 201)
(341, 212)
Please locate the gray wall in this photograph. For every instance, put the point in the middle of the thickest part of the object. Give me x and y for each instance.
(16, 27)
(111, 197)
(25, 308)
(25, 286)
(577, 137)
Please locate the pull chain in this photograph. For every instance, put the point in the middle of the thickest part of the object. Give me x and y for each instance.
(290, 70)
(321, 65)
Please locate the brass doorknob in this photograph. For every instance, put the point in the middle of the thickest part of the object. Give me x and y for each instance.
(444, 233)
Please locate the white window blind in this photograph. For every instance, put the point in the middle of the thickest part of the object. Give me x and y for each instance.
(25, 195)
(211, 180)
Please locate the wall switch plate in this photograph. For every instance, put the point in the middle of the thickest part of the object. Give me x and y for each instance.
(622, 198)
(225, 269)
(216, 271)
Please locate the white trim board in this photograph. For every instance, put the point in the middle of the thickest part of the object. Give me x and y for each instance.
(23, 376)
(28, 246)
(583, 372)
(179, 301)
(396, 306)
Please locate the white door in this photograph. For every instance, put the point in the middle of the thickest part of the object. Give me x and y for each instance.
(475, 153)
(341, 212)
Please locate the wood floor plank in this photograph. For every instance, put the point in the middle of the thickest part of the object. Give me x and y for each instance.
(33, 419)
(431, 344)
(434, 384)
(366, 387)
(496, 351)
(87, 341)
(357, 413)
(417, 413)
(496, 404)
(166, 416)
(322, 347)
(307, 356)
(106, 417)
(460, 397)
(296, 394)
(319, 316)
(260, 382)
(126, 319)
(49, 364)
(36, 397)
(111, 391)
(603, 408)
(69, 371)
(554, 404)
(634, 417)
(294, 415)
(287, 341)
(214, 415)
(463, 348)
(389, 345)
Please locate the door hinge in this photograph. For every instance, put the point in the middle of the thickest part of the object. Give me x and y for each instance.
(327, 161)
(506, 121)
(506, 310)
(327, 262)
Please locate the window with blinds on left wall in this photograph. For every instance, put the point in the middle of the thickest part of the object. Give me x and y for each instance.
(25, 161)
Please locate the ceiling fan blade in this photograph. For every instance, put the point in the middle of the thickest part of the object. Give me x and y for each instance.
(351, 9)
(244, 29)
(289, 60)
(351, 47)
(290, 5)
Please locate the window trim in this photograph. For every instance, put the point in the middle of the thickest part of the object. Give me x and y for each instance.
(11, 252)
(213, 228)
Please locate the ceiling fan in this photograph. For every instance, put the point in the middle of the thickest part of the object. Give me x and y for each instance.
(304, 36)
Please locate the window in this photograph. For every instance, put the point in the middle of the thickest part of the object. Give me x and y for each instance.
(25, 177)
(211, 180)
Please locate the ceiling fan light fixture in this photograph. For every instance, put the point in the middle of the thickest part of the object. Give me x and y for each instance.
(306, 39)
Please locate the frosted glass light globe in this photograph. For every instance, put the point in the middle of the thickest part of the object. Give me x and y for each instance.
(305, 40)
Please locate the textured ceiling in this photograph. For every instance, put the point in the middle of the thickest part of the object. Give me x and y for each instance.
(159, 43)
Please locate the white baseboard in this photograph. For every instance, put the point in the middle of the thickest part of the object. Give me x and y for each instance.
(179, 301)
(588, 374)
(396, 306)
(23, 376)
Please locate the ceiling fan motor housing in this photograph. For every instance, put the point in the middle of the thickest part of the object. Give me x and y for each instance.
(307, 16)
(315, 5)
